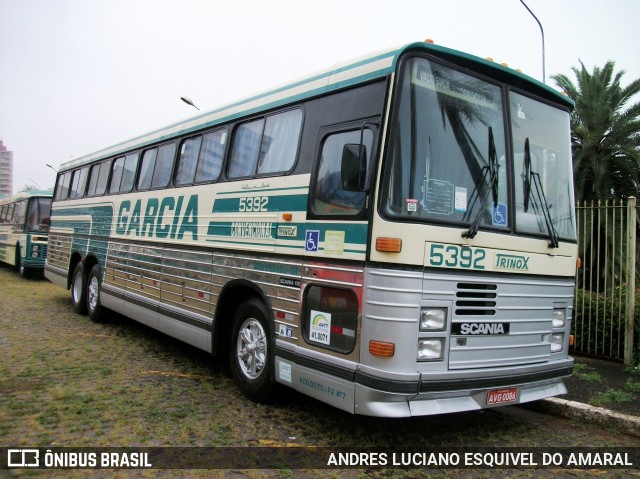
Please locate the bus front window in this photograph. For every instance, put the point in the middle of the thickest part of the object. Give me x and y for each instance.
(447, 157)
(39, 214)
(542, 169)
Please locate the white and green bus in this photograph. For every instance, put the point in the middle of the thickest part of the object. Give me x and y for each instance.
(394, 236)
(24, 230)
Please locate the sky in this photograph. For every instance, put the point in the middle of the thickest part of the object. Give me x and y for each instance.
(80, 75)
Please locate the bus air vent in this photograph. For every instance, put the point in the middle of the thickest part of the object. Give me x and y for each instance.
(476, 299)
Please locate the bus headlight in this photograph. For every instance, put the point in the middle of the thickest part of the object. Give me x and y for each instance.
(559, 316)
(430, 349)
(557, 341)
(433, 319)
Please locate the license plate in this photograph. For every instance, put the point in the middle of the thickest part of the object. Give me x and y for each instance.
(502, 396)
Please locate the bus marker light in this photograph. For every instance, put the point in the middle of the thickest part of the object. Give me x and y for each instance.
(388, 245)
(579, 263)
(571, 340)
(382, 349)
(287, 216)
(429, 40)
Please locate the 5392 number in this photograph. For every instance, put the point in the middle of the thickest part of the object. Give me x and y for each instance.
(452, 256)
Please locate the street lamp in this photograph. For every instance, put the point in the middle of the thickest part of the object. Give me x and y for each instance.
(47, 164)
(188, 101)
(544, 74)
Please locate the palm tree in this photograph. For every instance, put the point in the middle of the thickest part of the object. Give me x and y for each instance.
(605, 143)
(605, 133)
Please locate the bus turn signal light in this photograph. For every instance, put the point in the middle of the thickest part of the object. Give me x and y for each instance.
(389, 245)
(381, 348)
(287, 216)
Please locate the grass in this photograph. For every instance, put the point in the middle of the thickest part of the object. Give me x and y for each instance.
(67, 381)
(611, 396)
(582, 371)
(632, 386)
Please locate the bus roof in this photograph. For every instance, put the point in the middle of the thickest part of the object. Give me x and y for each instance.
(341, 75)
(27, 194)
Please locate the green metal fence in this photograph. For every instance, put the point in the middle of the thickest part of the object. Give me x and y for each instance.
(606, 312)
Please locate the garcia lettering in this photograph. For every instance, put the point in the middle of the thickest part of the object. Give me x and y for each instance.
(168, 218)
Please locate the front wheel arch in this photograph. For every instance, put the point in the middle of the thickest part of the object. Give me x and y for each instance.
(252, 350)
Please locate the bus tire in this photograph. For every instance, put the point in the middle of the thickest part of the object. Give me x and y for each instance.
(94, 307)
(251, 354)
(20, 268)
(79, 290)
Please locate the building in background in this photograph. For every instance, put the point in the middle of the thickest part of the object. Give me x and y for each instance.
(6, 171)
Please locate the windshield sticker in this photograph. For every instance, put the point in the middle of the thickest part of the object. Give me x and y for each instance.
(461, 199)
(438, 197)
(499, 216)
(412, 205)
(521, 113)
(320, 327)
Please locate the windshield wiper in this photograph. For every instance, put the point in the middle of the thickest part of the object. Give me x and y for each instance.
(491, 169)
(530, 177)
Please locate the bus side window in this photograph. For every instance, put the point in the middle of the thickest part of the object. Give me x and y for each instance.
(280, 142)
(116, 176)
(211, 156)
(98, 177)
(62, 189)
(129, 172)
(155, 170)
(266, 145)
(245, 149)
(78, 183)
(330, 198)
(188, 160)
(19, 215)
(146, 169)
(164, 165)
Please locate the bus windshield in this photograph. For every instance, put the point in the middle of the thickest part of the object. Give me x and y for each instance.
(448, 156)
(39, 214)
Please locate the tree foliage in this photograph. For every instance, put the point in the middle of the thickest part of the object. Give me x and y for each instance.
(605, 133)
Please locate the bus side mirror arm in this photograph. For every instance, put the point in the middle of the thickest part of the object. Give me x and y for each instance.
(354, 163)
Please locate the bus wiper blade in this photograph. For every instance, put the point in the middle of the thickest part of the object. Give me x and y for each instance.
(530, 178)
(492, 170)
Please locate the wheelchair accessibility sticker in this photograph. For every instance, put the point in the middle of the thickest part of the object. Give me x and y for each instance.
(311, 240)
(500, 215)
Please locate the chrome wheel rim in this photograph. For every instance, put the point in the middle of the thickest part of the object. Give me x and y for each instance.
(251, 348)
(93, 293)
(77, 288)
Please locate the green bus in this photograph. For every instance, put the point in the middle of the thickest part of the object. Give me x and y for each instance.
(24, 230)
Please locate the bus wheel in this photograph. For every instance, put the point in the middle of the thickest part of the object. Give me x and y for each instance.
(251, 351)
(20, 268)
(79, 290)
(94, 308)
